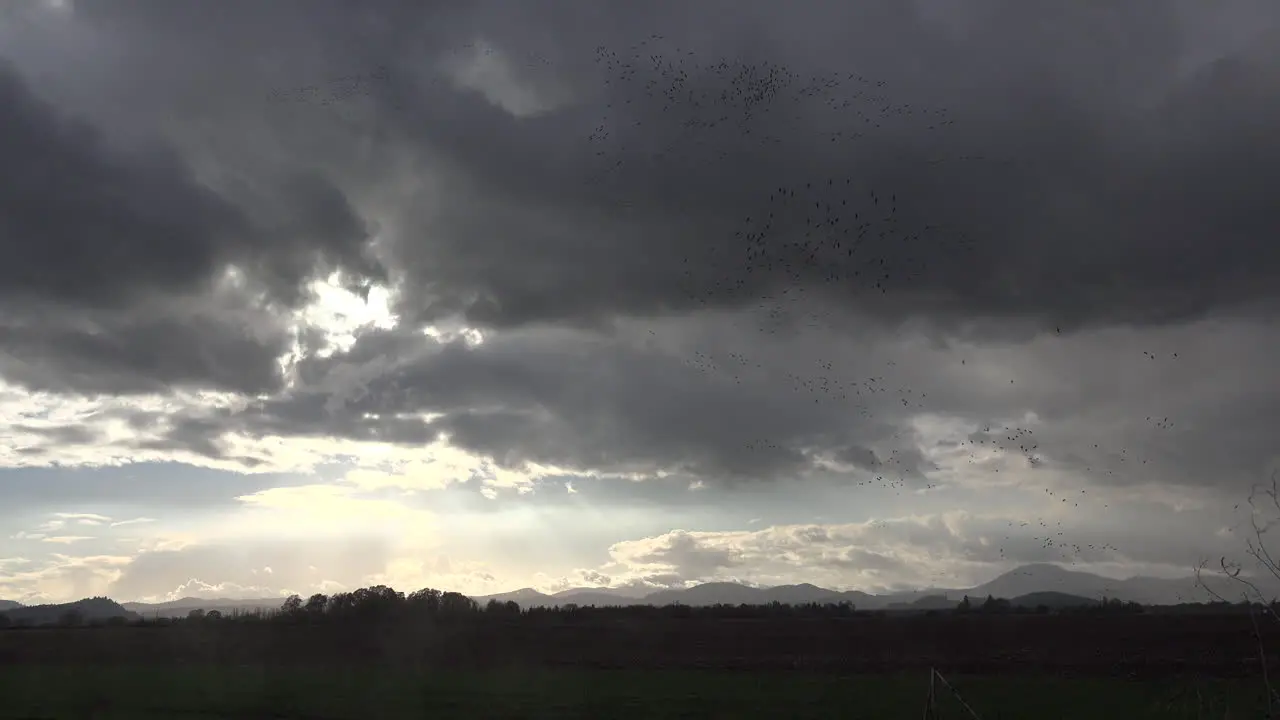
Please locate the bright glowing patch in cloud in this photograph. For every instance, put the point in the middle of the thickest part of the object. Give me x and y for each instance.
(488, 70)
(320, 511)
(340, 313)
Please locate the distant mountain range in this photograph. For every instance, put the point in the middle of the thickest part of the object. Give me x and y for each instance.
(181, 607)
(1052, 581)
(1029, 585)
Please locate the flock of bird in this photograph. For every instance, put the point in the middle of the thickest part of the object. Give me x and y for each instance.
(677, 114)
(746, 102)
(673, 109)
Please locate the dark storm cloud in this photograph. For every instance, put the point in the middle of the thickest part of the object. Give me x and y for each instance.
(1069, 219)
(84, 227)
(145, 349)
(115, 259)
(89, 225)
(1029, 160)
(1094, 203)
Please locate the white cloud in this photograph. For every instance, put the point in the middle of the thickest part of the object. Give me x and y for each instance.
(66, 539)
(950, 549)
(199, 589)
(133, 521)
(91, 517)
(111, 441)
(485, 68)
(60, 578)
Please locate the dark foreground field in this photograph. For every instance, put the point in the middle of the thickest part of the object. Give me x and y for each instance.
(1105, 646)
(1038, 667)
(271, 692)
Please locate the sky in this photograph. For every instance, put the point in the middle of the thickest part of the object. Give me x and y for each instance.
(308, 296)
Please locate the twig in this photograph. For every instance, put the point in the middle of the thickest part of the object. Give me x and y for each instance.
(955, 692)
(1257, 549)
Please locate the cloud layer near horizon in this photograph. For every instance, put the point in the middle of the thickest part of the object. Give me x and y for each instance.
(484, 297)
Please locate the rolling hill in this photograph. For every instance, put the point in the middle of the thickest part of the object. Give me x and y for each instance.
(89, 610)
(181, 607)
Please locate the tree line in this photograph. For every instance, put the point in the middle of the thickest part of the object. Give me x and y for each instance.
(382, 604)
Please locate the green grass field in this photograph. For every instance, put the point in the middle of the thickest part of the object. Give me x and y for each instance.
(249, 692)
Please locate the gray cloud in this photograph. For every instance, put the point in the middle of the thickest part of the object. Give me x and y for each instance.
(222, 343)
(687, 557)
(1110, 408)
(575, 400)
(159, 487)
(84, 226)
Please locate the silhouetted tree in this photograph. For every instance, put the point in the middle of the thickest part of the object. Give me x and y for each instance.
(996, 605)
(292, 606)
(455, 604)
(425, 601)
(376, 603)
(316, 605)
(497, 607)
(341, 604)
